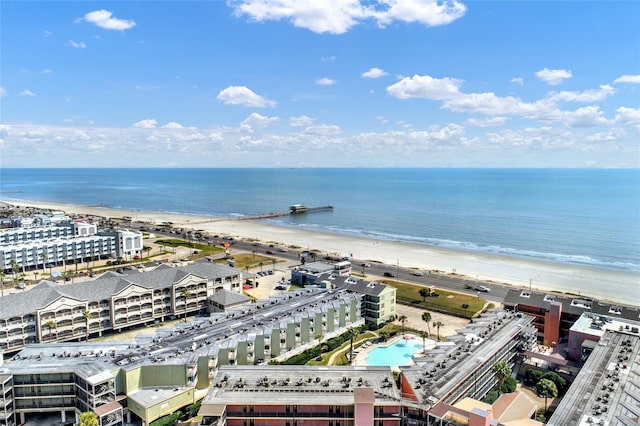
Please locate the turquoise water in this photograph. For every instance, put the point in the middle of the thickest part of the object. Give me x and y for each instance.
(394, 355)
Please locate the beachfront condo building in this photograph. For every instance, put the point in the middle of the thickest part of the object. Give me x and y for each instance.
(378, 299)
(66, 242)
(154, 375)
(113, 302)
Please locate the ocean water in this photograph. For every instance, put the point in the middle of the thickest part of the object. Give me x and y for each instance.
(576, 216)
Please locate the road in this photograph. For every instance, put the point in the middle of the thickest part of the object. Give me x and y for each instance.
(375, 270)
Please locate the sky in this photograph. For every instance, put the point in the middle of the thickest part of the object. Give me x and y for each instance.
(308, 83)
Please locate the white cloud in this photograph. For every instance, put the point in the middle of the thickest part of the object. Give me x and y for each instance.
(325, 81)
(47, 33)
(553, 77)
(241, 95)
(3, 92)
(585, 117)
(104, 19)
(77, 45)
(256, 120)
(518, 80)
(628, 116)
(300, 121)
(338, 17)
(628, 79)
(27, 92)
(47, 71)
(591, 95)
(424, 86)
(328, 58)
(172, 125)
(374, 73)
(427, 12)
(323, 130)
(487, 122)
(148, 123)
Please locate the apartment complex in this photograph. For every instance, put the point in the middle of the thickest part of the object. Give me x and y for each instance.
(65, 242)
(378, 299)
(52, 313)
(157, 374)
(367, 395)
(555, 314)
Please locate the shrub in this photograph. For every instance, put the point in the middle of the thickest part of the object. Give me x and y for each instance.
(509, 385)
(491, 397)
(559, 381)
(533, 376)
(169, 420)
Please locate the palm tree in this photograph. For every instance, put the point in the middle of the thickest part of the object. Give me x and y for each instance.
(87, 316)
(501, 370)
(424, 337)
(437, 325)
(426, 317)
(402, 319)
(89, 418)
(51, 324)
(352, 333)
(2, 274)
(184, 292)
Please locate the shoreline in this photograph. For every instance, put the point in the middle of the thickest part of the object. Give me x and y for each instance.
(615, 286)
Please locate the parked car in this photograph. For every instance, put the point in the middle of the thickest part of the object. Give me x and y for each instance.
(388, 274)
(483, 289)
(280, 287)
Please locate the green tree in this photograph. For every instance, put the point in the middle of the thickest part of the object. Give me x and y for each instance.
(557, 379)
(402, 319)
(424, 293)
(352, 334)
(88, 418)
(437, 325)
(426, 317)
(501, 370)
(87, 316)
(424, 337)
(547, 389)
(51, 324)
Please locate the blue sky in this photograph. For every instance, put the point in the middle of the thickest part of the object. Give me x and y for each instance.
(297, 83)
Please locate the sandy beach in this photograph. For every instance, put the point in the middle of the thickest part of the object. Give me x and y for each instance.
(615, 286)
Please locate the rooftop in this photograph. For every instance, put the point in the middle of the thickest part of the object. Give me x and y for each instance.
(299, 384)
(607, 389)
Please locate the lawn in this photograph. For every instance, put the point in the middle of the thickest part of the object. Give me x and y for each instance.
(203, 249)
(250, 260)
(448, 302)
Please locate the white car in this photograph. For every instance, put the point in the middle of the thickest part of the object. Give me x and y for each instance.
(483, 289)
(417, 273)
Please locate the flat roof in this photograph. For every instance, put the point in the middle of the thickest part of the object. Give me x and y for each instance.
(607, 388)
(299, 384)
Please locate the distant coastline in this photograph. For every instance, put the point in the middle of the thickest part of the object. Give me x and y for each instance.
(599, 283)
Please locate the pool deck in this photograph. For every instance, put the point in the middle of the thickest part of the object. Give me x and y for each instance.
(362, 351)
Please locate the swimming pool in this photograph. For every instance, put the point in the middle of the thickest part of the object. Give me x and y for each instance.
(393, 355)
